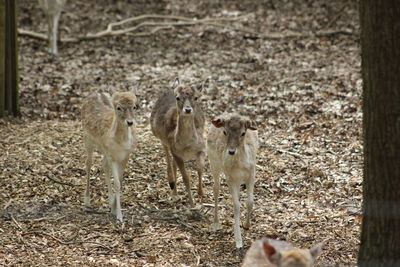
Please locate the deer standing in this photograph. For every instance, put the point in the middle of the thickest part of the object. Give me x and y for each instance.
(178, 121)
(109, 125)
(52, 9)
(232, 145)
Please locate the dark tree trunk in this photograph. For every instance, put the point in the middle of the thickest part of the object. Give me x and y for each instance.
(8, 59)
(380, 43)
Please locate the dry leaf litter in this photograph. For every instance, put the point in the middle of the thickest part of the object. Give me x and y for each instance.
(305, 93)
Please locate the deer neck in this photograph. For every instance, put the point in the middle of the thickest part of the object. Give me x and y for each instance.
(185, 130)
(120, 131)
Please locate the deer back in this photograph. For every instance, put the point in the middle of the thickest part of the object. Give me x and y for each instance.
(97, 114)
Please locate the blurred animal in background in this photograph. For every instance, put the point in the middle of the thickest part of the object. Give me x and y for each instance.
(267, 252)
(52, 9)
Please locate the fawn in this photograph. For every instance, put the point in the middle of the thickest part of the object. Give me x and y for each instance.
(269, 253)
(177, 120)
(232, 145)
(109, 125)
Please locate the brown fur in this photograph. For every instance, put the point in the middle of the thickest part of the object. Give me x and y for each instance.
(180, 133)
(274, 253)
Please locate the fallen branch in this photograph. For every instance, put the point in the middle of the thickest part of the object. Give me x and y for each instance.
(42, 36)
(178, 21)
(182, 21)
(300, 35)
(155, 16)
(153, 31)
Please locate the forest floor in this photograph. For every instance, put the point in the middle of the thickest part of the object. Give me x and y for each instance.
(304, 92)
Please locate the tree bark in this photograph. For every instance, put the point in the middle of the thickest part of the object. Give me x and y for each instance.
(380, 44)
(8, 59)
(2, 58)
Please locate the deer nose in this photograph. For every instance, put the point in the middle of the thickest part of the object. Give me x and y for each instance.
(188, 110)
(129, 122)
(232, 151)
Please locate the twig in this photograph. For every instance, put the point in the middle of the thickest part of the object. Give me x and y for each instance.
(42, 36)
(212, 205)
(70, 242)
(16, 223)
(307, 221)
(7, 204)
(297, 155)
(110, 32)
(156, 16)
(291, 35)
(60, 182)
(49, 218)
(153, 31)
(336, 17)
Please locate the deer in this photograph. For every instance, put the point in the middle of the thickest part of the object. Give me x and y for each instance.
(52, 9)
(178, 121)
(232, 144)
(109, 126)
(271, 253)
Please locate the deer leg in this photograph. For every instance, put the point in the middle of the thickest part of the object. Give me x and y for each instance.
(234, 188)
(56, 19)
(107, 173)
(215, 174)
(200, 167)
(171, 170)
(250, 199)
(174, 174)
(186, 179)
(52, 20)
(116, 205)
(89, 157)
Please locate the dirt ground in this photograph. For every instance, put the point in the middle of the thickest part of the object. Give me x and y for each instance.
(304, 92)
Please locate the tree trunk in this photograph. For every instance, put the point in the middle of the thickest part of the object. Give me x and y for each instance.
(2, 58)
(8, 59)
(380, 43)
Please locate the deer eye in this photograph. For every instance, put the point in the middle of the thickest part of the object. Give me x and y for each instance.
(135, 107)
(195, 98)
(224, 132)
(243, 133)
(177, 98)
(119, 108)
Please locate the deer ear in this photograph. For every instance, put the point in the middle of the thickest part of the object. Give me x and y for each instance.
(251, 125)
(218, 123)
(272, 255)
(176, 83)
(201, 86)
(316, 250)
(134, 89)
(111, 90)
